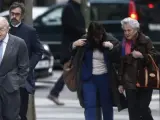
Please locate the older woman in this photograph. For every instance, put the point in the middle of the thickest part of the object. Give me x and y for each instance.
(96, 76)
(134, 53)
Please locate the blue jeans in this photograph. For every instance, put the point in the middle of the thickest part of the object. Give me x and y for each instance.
(97, 84)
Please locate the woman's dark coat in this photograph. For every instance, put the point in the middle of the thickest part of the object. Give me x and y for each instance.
(118, 99)
(130, 66)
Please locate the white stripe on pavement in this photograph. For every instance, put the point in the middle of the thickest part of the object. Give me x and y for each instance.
(79, 116)
(75, 103)
(47, 102)
(73, 116)
(46, 109)
(155, 96)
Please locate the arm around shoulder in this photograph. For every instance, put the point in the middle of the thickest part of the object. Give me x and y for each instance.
(114, 52)
(78, 43)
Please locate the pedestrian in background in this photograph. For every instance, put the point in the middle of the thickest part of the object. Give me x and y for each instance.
(35, 51)
(14, 68)
(73, 24)
(97, 81)
(134, 52)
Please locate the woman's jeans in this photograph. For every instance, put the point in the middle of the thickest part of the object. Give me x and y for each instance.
(97, 88)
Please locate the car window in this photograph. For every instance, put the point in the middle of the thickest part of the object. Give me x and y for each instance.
(114, 11)
(37, 11)
(53, 17)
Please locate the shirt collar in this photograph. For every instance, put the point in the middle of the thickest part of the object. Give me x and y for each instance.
(16, 25)
(6, 39)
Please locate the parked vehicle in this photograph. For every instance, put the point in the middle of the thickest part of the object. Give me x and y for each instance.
(148, 15)
(44, 67)
(49, 28)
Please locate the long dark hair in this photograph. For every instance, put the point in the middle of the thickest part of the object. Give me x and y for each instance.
(96, 35)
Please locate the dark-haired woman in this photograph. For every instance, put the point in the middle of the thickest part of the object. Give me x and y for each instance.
(96, 79)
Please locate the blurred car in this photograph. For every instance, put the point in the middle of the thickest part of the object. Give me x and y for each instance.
(107, 12)
(49, 28)
(36, 12)
(111, 12)
(44, 67)
(147, 12)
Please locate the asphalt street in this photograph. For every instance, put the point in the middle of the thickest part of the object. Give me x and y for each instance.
(47, 110)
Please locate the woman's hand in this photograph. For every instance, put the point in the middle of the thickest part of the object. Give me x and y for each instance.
(137, 54)
(79, 42)
(108, 44)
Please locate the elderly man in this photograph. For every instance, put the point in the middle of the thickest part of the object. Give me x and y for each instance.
(134, 53)
(14, 67)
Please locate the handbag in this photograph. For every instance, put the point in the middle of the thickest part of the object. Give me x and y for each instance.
(149, 77)
(69, 75)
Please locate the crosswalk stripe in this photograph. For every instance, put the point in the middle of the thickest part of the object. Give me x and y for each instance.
(42, 84)
(80, 115)
(74, 116)
(75, 103)
(47, 110)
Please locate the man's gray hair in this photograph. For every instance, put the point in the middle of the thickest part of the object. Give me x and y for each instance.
(4, 22)
(132, 22)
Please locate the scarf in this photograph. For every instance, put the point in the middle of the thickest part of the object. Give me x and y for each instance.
(126, 47)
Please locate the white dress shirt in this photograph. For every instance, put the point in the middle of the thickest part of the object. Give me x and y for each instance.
(4, 43)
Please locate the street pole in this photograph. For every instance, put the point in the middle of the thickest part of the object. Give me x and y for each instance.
(85, 8)
(28, 13)
(31, 113)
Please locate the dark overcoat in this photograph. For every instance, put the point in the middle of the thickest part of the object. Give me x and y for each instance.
(117, 98)
(129, 66)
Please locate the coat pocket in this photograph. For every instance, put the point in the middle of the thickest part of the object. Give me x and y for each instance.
(14, 79)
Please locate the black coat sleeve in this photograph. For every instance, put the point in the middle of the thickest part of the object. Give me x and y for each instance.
(74, 50)
(113, 53)
(150, 50)
(36, 49)
(69, 21)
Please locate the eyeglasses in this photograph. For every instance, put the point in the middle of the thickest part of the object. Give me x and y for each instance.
(15, 14)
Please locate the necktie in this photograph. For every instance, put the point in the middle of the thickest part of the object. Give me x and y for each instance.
(1, 50)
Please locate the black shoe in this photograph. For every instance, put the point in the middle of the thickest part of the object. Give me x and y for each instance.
(55, 100)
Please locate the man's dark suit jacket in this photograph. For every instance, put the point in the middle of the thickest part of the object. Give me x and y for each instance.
(14, 67)
(35, 50)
